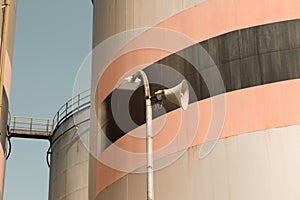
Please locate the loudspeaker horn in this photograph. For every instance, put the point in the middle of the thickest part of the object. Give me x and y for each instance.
(178, 95)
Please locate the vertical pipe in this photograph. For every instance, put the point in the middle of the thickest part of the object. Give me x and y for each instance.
(4, 35)
(150, 188)
(149, 148)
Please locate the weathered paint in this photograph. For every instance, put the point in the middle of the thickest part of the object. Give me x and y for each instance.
(6, 91)
(10, 47)
(263, 108)
(245, 58)
(70, 160)
(259, 165)
(248, 110)
(210, 15)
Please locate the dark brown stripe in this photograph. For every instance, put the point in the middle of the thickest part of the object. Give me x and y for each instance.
(245, 58)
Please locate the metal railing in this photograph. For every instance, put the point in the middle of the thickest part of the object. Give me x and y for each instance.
(21, 126)
(72, 106)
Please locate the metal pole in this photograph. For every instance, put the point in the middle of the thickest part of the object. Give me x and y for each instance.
(5, 26)
(150, 188)
(31, 120)
(47, 126)
(14, 123)
(67, 109)
(78, 102)
(149, 148)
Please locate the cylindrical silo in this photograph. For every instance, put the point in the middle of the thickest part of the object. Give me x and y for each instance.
(69, 163)
(239, 138)
(7, 25)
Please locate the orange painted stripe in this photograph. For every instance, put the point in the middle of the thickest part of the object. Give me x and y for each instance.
(247, 110)
(202, 22)
(7, 75)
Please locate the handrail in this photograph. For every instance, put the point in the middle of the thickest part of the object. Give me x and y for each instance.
(45, 126)
(72, 106)
(25, 117)
(31, 126)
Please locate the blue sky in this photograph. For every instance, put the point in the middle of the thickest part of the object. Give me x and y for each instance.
(52, 39)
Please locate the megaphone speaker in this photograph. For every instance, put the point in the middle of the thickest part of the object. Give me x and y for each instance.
(178, 95)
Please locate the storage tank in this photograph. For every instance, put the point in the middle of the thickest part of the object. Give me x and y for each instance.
(7, 25)
(68, 158)
(239, 138)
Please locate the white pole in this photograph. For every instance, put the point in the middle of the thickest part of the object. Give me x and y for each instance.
(150, 188)
(183, 102)
(149, 148)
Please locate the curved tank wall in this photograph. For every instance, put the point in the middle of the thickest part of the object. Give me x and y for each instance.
(6, 86)
(258, 165)
(255, 46)
(69, 159)
(118, 16)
